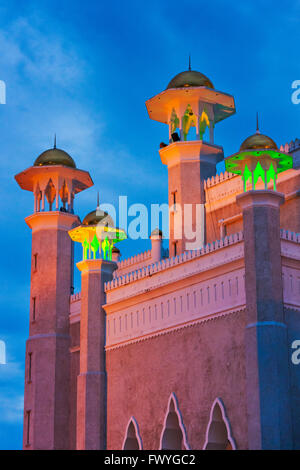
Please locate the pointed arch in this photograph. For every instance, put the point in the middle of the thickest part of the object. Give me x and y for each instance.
(50, 193)
(173, 436)
(132, 439)
(218, 432)
(64, 193)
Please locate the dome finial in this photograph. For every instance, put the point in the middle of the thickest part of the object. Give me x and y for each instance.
(257, 126)
(190, 62)
(54, 141)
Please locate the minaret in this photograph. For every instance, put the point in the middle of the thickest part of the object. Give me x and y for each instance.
(97, 236)
(189, 100)
(54, 181)
(266, 338)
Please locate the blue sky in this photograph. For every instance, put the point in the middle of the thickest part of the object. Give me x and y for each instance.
(84, 70)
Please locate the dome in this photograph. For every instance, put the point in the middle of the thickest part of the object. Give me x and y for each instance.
(156, 232)
(189, 78)
(258, 141)
(94, 217)
(55, 157)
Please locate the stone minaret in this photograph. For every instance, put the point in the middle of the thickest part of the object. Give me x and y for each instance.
(266, 338)
(189, 101)
(54, 181)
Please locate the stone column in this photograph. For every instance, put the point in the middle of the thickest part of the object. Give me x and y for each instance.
(268, 401)
(91, 382)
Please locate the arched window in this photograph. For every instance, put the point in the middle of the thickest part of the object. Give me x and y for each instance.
(132, 439)
(218, 433)
(173, 435)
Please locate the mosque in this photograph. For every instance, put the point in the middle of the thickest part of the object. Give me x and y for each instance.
(193, 350)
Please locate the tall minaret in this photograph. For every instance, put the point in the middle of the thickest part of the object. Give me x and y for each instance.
(266, 334)
(189, 100)
(54, 181)
(97, 235)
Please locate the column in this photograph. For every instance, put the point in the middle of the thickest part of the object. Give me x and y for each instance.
(156, 241)
(211, 132)
(91, 382)
(268, 401)
(181, 127)
(43, 200)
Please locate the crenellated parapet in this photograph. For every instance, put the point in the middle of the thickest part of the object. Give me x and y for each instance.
(170, 262)
(289, 147)
(291, 236)
(218, 178)
(132, 263)
(293, 148)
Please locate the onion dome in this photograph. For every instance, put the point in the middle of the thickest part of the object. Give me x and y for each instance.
(190, 78)
(156, 233)
(94, 217)
(55, 157)
(258, 141)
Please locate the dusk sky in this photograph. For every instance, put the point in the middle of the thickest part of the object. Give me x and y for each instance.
(83, 70)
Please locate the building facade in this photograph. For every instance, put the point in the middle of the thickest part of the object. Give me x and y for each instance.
(197, 350)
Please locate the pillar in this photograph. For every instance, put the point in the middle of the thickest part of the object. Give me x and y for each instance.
(156, 249)
(47, 365)
(189, 164)
(91, 382)
(211, 132)
(269, 414)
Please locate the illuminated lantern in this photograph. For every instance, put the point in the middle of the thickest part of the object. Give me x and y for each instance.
(190, 100)
(97, 235)
(258, 157)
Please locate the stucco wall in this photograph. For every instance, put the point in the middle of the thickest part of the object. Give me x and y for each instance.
(198, 363)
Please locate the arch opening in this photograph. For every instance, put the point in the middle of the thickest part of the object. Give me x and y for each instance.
(173, 435)
(218, 433)
(132, 439)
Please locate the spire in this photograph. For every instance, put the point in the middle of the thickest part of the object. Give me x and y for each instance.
(98, 199)
(54, 141)
(190, 62)
(257, 126)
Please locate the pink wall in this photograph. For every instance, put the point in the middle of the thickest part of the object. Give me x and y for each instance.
(198, 363)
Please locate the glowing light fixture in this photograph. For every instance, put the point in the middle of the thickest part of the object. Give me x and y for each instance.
(97, 240)
(259, 157)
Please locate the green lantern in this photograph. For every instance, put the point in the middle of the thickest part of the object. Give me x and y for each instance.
(258, 157)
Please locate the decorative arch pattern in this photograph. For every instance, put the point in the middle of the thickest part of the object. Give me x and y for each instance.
(132, 440)
(218, 432)
(173, 436)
